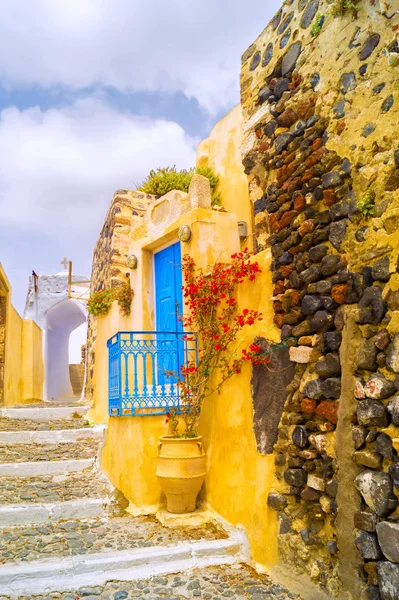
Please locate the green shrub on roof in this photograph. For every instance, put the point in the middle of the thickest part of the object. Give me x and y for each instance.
(164, 180)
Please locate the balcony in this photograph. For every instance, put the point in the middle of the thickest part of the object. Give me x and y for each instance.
(143, 371)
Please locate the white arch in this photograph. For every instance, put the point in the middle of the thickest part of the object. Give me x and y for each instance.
(61, 320)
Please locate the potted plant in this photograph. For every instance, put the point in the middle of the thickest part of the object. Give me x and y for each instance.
(211, 310)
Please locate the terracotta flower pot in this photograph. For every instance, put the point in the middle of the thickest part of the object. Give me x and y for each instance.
(181, 470)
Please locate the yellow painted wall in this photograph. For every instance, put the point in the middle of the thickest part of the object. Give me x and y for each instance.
(32, 366)
(222, 152)
(239, 478)
(129, 455)
(24, 371)
(13, 369)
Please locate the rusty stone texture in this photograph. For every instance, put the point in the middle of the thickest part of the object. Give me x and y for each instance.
(269, 393)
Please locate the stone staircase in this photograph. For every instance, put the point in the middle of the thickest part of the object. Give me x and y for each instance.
(63, 526)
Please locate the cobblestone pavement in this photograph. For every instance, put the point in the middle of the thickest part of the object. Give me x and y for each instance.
(82, 448)
(28, 425)
(212, 583)
(33, 542)
(52, 488)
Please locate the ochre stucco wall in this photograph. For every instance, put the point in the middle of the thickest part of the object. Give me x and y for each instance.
(128, 457)
(23, 381)
(13, 370)
(222, 152)
(239, 478)
(32, 367)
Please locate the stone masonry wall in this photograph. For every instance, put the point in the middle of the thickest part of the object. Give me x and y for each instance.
(109, 258)
(321, 151)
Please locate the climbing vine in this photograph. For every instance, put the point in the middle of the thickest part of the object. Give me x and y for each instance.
(100, 302)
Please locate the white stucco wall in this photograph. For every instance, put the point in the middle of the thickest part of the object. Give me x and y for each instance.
(57, 315)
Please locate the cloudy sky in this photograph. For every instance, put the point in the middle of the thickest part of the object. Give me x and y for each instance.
(95, 93)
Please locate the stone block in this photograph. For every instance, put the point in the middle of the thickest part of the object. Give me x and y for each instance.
(377, 491)
(388, 580)
(359, 435)
(383, 445)
(328, 410)
(366, 520)
(388, 538)
(329, 366)
(367, 458)
(367, 545)
(310, 494)
(276, 501)
(317, 483)
(300, 437)
(392, 358)
(371, 413)
(331, 388)
(313, 389)
(379, 388)
(269, 394)
(366, 358)
(295, 477)
(304, 354)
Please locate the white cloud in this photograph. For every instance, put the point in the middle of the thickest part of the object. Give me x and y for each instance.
(133, 45)
(60, 167)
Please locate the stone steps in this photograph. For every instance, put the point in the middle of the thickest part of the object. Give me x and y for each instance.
(37, 513)
(60, 523)
(11, 425)
(75, 535)
(50, 474)
(53, 488)
(55, 467)
(50, 436)
(81, 448)
(44, 412)
(95, 569)
(238, 582)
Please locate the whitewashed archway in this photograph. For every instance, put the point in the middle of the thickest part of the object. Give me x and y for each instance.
(61, 320)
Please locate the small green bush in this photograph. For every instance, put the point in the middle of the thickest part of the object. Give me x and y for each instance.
(317, 26)
(342, 7)
(164, 180)
(100, 302)
(366, 204)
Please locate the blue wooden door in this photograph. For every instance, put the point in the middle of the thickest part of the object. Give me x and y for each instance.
(168, 306)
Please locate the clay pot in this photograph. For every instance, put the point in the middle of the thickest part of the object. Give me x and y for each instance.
(181, 470)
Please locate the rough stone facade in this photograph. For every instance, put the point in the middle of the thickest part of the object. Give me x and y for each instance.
(320, 103)
(109, 258)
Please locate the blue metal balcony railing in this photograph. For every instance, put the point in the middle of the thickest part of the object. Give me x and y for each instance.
(138, 367)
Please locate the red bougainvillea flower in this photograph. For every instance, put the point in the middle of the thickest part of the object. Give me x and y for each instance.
(212, 311)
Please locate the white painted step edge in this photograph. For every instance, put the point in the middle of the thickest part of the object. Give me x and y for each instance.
(43, 413)
(34, 513)
(9, 438)
(51, 467)
(74, 572)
